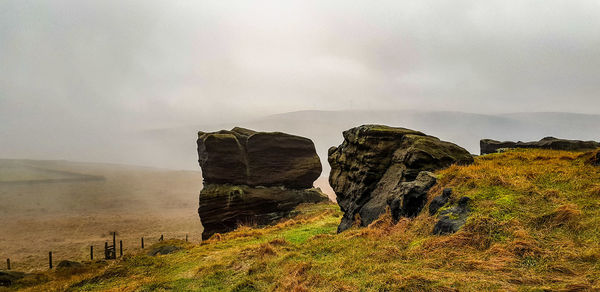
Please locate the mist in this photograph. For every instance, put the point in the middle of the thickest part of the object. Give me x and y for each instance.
(131, 81)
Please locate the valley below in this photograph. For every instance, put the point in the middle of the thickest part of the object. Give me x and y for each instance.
(65, 207)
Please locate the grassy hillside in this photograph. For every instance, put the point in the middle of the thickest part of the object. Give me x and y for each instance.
(535, 224)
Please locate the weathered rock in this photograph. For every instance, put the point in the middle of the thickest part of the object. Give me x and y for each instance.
(440, 201)
(408, 199)
(246, 157)
(451, 219)
(224, 207)
(375, 165)
(163, 250)
(254, 177)
(492, 146)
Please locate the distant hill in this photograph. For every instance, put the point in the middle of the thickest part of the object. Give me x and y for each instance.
(175, 147)
(14, 171)
(325, 128)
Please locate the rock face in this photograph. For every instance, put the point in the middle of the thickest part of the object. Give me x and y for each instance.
(377, 166)
(411, 196)
(254, 177)
(243, 156)
(492, 146)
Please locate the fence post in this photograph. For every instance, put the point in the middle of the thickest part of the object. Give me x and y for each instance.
(106, 250)
(50, 259)
(8, 264)
(161, 238)
(142, 242)
(115, 245)
(120, 248)
(91, 252)
(186, 238)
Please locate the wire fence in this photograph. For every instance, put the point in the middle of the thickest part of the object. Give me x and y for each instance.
(109, 251)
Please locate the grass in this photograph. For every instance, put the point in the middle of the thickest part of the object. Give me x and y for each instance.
(535, 225)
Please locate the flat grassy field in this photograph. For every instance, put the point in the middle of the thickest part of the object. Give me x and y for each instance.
(40, 212)
(534, 226)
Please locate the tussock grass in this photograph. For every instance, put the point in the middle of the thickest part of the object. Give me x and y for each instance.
(535, 225)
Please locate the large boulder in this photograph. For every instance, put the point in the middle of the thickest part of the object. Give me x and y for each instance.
(377, 166)
(243, 156)
(492, 146)
(254, 177)
(224, 207)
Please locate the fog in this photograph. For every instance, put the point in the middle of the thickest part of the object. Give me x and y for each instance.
(131, 81)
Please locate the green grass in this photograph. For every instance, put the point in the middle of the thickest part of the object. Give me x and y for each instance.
(535, 225)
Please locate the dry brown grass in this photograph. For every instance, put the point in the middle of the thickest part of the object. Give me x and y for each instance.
(565, 215)
(534, 226)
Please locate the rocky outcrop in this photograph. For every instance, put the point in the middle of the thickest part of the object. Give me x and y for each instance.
(254, 177)
(377, 166)
(224, 207)
(439, 201)
(492, 146)
(451, 219)
(246, 157)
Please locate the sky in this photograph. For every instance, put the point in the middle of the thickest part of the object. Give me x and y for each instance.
(72, 67)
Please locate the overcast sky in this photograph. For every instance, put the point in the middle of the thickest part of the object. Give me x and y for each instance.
(82, 65)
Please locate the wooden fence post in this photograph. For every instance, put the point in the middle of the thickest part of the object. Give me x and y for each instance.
(115, 245)
(120, 248)
(186, 238)
(91, 252)
(142, 242)
(161, 238)
(8, 264)
(50, 259)
(106, 250)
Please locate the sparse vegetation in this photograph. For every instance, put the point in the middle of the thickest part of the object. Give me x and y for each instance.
(535, 225)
